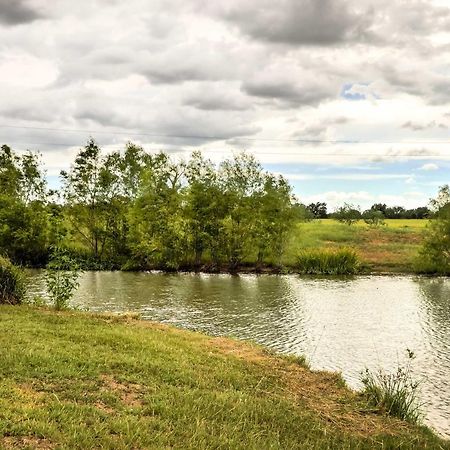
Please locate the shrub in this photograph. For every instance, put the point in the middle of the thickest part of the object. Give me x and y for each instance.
(61, 278)
(434, 256)
(394, 393)
(373, 218)
(328, 262)
(348, 214)
(12, 287)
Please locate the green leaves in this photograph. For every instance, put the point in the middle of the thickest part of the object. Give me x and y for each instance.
(61, 278)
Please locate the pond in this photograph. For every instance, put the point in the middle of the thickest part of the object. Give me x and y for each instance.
(341, 325)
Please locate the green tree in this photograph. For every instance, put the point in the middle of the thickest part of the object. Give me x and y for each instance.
(374, 218)
(24, 233)
(205, 208)
(242, 182)
(274, 216)
(158, 227)
(348, 214)
(436, 249)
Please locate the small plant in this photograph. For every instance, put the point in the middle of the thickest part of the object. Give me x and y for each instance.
(12, 287)
(328, 262)
(61, 278)
(395, 393)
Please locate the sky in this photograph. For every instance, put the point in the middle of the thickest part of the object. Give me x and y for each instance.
(348, 99)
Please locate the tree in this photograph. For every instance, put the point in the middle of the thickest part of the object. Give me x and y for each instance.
(23, 212)
(95, 203)
(436, 249)
(395, 212)
(318, 210)
(373, 217)
(348, 214)
(158, 228)
(205, 208)
(242, 183)
(274, 216)
(379, 207)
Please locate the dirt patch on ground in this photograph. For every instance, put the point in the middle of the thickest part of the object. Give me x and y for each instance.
(26, 442)
(130, 394)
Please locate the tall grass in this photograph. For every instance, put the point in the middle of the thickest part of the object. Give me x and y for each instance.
(342, 261)
(12, 288)
(394, 393)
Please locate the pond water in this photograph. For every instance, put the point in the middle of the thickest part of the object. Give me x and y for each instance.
(342, 325)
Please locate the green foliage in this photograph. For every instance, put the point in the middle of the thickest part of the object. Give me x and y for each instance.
(12, 287)
(341, 261)
(435, 253)
(61, 278)
(374, 218)
(348, 214)
(394, 393)
(23, 216)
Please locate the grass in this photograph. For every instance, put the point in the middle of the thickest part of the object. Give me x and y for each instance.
(395, 393)
(70, 380)
(341, 261)
(391, 248)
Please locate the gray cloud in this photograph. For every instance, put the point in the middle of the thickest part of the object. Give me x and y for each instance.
(299, 22)
(287, 93)
(17, 12)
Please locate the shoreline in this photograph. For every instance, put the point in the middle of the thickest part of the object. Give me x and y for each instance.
(107, 375)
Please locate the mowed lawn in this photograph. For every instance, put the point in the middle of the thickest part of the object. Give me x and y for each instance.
(390, 248)
(72, 380)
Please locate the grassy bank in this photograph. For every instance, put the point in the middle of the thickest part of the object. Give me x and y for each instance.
(78, 381)
(391, 248)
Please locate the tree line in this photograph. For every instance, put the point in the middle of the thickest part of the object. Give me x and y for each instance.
(136, 210)
(319, 210)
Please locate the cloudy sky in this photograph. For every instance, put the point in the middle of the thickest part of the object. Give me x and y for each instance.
(349, 99)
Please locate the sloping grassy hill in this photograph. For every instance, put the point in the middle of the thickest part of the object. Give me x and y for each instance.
(390, 248)
(79, 381)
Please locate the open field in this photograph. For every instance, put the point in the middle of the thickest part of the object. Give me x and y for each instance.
(391, 248)
(77, 381)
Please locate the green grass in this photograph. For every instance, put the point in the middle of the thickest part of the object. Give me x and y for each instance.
(70, 380)
(391, 248)
(341, 261)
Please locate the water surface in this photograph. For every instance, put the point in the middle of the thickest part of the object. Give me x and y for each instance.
(338, 324)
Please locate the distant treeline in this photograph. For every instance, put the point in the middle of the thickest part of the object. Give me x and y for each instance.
(319, 210)
(136, 210)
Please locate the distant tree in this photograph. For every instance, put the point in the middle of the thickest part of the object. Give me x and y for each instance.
(395, 212)
(418, 213)
(348, 214)
(379, 207)
(301, 212)
(373, 218)
(318, 210)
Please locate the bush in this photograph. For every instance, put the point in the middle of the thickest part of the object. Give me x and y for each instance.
(373, 218)
(12, 287)
(348, 214)
(434, 256)
(328, 262)
(394, 393)
(61, 278)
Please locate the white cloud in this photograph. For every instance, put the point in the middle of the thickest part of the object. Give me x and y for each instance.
(429, 167)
